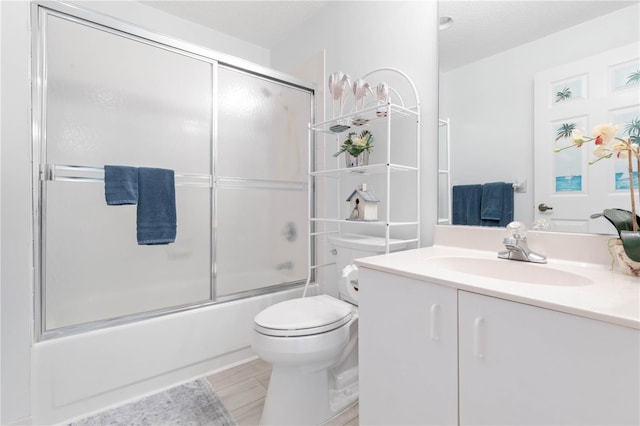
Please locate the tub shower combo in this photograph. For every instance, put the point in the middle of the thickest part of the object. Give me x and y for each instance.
(236, 137)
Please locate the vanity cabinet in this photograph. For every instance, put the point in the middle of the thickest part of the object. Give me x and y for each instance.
(407, 351)
(490, 361)
(521, 364)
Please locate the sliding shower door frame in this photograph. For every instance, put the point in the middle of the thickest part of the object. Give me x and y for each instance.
(74, 13)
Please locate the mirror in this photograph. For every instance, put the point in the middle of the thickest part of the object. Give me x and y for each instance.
(488, 59)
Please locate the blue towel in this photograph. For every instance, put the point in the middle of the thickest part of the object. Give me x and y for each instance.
(156, 221)
(465, 204)
(507, 205)
(120, 185)
(492, 201)
(496, 207)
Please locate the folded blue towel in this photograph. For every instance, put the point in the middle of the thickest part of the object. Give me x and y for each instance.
(465, 204)
(496, 207)
(156, 221)
(120, 185)
(492, 201)
(507, 205)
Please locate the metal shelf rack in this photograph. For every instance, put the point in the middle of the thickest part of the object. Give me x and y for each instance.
(386, 114)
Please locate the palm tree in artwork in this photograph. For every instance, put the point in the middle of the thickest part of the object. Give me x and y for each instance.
(565, 130)
(633, 130)
(633, 77)
(563, 94)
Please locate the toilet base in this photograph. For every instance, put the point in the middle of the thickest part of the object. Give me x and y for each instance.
(297, 397)
(300, 397)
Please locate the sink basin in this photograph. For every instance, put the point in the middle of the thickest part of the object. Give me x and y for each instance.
(509, 270)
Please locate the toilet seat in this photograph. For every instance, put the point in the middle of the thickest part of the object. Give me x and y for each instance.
(303, 317)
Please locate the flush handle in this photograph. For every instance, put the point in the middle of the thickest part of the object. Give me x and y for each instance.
(543, 207)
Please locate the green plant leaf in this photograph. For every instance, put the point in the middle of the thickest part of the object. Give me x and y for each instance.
(631, 244)
(619, 218)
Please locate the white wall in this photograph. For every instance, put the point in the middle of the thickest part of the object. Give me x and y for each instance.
(0, 222)
(490, 102)
(360, 36)
(50, 381)
(15, 227)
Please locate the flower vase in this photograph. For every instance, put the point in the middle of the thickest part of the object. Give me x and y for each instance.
(628, 266)
(360, 160)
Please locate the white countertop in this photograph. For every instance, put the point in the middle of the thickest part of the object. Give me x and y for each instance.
(610, 296)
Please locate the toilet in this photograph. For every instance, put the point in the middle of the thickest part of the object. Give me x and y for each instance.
(312, 344)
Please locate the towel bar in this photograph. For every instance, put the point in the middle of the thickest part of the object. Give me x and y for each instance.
(520, 186)
(69, 173)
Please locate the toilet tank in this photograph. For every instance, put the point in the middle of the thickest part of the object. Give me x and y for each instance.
(353, 246)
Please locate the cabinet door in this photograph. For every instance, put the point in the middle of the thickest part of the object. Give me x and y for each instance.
(525, 365)
(407, 347)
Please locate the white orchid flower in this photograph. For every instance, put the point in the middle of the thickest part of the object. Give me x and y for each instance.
(622, 149)
(604, 133)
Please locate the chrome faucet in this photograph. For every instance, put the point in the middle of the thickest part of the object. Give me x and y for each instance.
(516, 244)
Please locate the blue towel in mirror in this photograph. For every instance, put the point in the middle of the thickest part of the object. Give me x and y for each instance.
(492, 201)
(156, 215)
(496, 206)
(120, 185)
(465, 204)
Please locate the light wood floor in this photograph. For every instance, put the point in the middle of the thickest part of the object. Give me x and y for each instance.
(243, 388)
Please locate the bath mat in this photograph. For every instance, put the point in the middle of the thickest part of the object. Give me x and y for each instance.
(193, 404)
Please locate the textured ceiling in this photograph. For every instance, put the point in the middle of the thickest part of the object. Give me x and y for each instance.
(481, 27)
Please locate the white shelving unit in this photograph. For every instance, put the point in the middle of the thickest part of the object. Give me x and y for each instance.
(406, 230)
(444, 170)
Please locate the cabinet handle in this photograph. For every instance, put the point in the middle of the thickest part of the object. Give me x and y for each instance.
(479, 340)
(435, 325)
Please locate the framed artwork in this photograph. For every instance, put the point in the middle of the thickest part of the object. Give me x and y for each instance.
(568, 164)
(625, 75)
(629, 121)
(570, 89)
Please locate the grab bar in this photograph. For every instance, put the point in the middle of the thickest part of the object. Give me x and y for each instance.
(70, 173)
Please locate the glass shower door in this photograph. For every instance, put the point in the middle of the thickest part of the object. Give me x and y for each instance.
(261, 189)
(237, 141)
(109, 98)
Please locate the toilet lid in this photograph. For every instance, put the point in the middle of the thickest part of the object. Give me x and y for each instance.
(303, 317)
